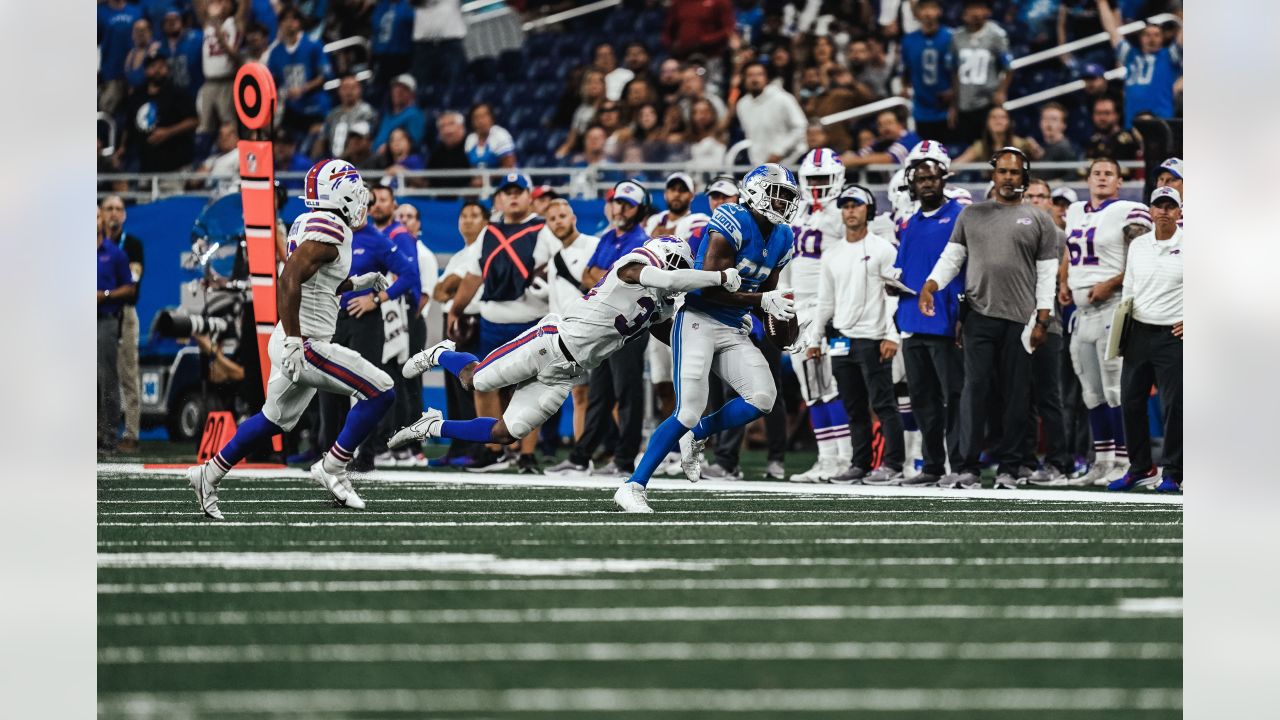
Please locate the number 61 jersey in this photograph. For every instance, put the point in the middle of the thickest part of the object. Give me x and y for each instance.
(1096, 249)
(614, 312)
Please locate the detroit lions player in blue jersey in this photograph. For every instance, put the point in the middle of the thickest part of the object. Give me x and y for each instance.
(711, 331)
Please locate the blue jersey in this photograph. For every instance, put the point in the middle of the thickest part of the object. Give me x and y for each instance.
(392, 28)
(186, 67)
(755, 257)
(613, 246)
(1148, 86)
(115, 38)
(297, 67)
(372, 251)
(921, 240)
(113, 272)
(406, 244)
(928, 61)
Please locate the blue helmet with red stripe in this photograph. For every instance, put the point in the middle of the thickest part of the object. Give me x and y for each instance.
(336, 185)
(821, 176)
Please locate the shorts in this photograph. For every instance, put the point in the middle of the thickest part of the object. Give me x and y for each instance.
(215, 106)
(535, 364)
(329, 367)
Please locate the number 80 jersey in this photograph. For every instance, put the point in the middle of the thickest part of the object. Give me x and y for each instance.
(1096, 249)
(818, 227)
(613, 313)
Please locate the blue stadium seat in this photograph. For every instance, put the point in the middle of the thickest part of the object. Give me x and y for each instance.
(540, 68)
(554, 139)
(483, 70)
(539, 43)
(511, 65)
(523, 117)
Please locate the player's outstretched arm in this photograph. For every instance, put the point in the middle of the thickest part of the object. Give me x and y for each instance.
(638, 273)
(299, 268)
(720, 256)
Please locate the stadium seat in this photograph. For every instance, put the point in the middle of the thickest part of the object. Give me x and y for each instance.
(483, 70)
(554, 139)
(511, 65)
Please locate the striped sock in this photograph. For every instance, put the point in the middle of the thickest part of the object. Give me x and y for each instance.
(250, 431)
(839, 424)
(820, 419)
(1104, 441)
(908, 417)
(1117, 426)
(335, 461)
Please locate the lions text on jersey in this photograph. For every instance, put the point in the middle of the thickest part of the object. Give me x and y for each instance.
(755, 257)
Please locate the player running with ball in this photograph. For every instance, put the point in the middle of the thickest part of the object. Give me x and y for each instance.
(302, 358)
(637, 293)
(711, 331)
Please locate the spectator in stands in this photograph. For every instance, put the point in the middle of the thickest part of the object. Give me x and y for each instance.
(257, 44)
(1055, 146)
(542, 197)
(351, 109)
(869, 66)
(1153, 67)
(590, 92)
(183, 46)
(392, 42)
(438, 33)
(782, 68)
(450, 150)
(403, 113)
(286, 158)
(220, 58)
(143, 45)
(981, 71)
(489, 145)
(593, 144)
(770, 118)
(638, 92)
(927, 61)
(115, 36)
(300, 69)
(675, 131)
(359, 147)
(822, 55)
(636, 59)
(616, 78)
(1169, 174)
(705, 137)
(401, 156)
(564, 278)
(893, 142)
(160, 122)
(1035, 19)
(223, 167)
(1062, 198)
(670, 80)
(644, 129)
(113, 215)
(1109, 138)
(609, 117)
(842, 94)
(460, 403)
(115, 287)
(693, 87)
(700, 27)
(996, 134)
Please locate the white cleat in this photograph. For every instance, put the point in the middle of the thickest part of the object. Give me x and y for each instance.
(353, 501)
(671, 465)
(1117, 471)
(332, 483)
(632, 498)
(427, 359)
(206, 489)
(691, 456)
(426, 426)
(1097, 475)
(823, 470)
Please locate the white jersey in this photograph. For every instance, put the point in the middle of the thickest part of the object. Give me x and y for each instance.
(613, 313)
(691, 226)
(318, 310)
(1095, 239)
(662, 224)
(214, 60)
(815, 229)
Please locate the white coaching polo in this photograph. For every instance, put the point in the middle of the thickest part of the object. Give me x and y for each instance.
(1153, 278)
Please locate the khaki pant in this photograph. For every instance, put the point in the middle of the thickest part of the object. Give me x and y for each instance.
(127, 366)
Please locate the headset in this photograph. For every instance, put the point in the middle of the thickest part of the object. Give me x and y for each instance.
(871, 204)
(1026, 164)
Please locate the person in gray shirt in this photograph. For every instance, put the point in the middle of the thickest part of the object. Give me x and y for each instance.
(982, 74)
(1012, 251)
(1057, 147)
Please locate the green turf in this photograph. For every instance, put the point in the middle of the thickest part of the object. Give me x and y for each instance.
(967, 618)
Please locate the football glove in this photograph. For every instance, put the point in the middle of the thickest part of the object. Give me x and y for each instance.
(293, 358)
(777, 304)
(732, 280)
(375, 281)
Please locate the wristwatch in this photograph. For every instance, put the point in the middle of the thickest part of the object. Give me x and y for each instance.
(377, 298)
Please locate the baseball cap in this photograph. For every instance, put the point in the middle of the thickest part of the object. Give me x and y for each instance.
(1063, 193)
(1092, 70)
(853, 193)
(545, 191)
(361, 128)
(519, 180)
(630, 191)
(1166, 193)
(723, 185)
(406, 80)
(1172, 165)
(680, 176)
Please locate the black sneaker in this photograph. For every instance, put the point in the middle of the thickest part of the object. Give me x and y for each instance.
(528, 465)
(488, 461)
(923, 479)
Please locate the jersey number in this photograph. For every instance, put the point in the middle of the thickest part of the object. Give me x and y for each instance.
(1087, 257)
(929, 66)
(809, 243)
(627, 328)
(975, 66)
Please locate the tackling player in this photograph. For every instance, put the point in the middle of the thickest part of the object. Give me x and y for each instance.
(1091, 274)
(542, 363)
(302, 358)
(821, 179)
(711, 330)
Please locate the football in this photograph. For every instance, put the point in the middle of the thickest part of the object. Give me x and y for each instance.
(782, 333)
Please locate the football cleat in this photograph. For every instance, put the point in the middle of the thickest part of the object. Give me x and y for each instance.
(1097, 474)
(206, 489)
(1119, 468)
(851, 475)
(632, 498)
(691, 456)
(1129, 481)
(1048, 476)
(715, 472)
(330, 482)
(961, 481)
(427, 359)
(773, 470)
(922, 479)
(424, 427)
(823, 470)
(566, 467)
(1168, 485)
(883, 475)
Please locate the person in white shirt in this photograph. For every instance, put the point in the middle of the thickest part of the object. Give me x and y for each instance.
(564, 281)
(852, 297)
(770, 118)
(219, 60)
(1153, 345)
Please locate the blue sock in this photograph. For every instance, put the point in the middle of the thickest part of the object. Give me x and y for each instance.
(908, 417)
(477, 430)
(1100, 423)
(819, 418)
(661, 442)
(454, 362)
(250, 431)
(363, 418)
(732, 414)
(836, 414)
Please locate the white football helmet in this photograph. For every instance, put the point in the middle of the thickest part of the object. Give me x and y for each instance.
(900, 202)
(673, 252)
(821, 176)
(771, 191)
(336, 185)
(930, 150)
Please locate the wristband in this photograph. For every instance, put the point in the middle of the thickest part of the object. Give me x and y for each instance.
(377, 298)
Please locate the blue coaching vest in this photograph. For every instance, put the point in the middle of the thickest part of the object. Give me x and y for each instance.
(506, 258)
(755, 257)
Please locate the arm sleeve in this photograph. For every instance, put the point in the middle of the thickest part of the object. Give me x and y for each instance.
(678, 280)
(428, 271)
(1046, 284)
(949, 265)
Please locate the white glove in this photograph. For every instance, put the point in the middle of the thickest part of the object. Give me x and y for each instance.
(778, 305)
(375, 281)
(538, 288)
(732, 280)
(293, 359)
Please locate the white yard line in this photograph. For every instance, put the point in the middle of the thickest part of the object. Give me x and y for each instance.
(587, 481)
(634, 585)
(492, 564)
(637, 520)
(855, 505)
(342, 512)
(431, 542)
(349, 702)
(1155, 606)
(409, 616)
(634, 652)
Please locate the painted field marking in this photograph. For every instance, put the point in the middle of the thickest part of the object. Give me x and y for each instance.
(1154, 606)
(328, 510)
(428, 542)
(345, 702)
(631, 520)
(627, 615)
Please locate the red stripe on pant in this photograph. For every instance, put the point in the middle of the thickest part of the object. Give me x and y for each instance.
(519, 341)
(344, 375)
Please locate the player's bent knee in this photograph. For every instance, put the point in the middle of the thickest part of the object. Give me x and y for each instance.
(762, 400)
(486, 382)
(688, 417)
(1113, 398)
(285, 424)
(505, 433)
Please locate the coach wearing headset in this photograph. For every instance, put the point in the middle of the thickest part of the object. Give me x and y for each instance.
(1012, 253)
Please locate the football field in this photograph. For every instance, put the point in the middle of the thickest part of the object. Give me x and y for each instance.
(465, 596)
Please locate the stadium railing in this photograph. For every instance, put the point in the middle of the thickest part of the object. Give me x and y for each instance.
(1087, 42)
